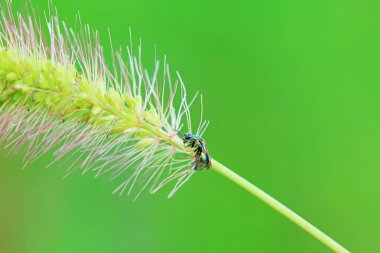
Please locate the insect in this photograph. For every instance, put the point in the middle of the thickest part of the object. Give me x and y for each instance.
(202, 158)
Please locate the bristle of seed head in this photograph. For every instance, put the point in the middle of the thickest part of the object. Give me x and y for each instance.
(58, 94)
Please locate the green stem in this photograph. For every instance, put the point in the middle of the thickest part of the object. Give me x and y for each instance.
(254, 190)
(279, 207)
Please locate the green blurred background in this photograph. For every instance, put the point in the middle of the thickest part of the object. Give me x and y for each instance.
(292, 90)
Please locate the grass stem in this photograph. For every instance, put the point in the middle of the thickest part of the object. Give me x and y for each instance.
(279, 207)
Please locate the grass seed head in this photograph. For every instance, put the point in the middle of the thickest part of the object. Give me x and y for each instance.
(58, 94)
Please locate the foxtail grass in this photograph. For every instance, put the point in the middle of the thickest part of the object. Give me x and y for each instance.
(57, 94)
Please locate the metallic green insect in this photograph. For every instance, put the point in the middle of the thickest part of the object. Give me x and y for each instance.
(202, 158)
